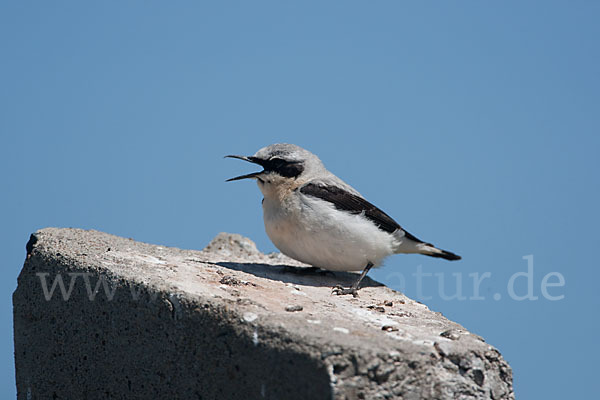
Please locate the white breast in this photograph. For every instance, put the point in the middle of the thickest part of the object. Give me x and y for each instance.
(314, 232)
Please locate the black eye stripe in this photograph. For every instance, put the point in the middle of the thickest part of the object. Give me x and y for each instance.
(289, 169)
(274, 164)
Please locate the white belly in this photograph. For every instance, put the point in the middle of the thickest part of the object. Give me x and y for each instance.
(317, 234)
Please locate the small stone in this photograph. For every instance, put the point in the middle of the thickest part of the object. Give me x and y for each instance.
(452, 334)
(230, 280)
(250, 317)
(233, 281)
(294, 308)
(388, 303)
(401, 314)
(389, 328)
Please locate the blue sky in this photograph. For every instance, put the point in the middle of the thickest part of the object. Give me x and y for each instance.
(475, 125)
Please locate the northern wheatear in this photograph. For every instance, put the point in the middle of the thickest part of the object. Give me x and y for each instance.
(313, 216)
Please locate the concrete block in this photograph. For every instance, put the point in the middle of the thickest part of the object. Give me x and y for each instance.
(97, 316)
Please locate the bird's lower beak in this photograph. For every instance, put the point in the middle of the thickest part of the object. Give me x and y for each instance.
(252, 175)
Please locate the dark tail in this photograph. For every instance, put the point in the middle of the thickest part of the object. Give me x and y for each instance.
(430, 250)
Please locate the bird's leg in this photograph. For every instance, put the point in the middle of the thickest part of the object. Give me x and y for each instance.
(353, 290)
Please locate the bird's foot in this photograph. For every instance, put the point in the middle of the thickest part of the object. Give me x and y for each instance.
(340, 291)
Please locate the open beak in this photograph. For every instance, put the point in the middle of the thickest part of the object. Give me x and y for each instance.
(252, 175)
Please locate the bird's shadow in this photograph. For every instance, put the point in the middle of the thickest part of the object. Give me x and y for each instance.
(303, 276)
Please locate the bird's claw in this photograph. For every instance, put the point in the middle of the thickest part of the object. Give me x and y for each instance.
(340, 291)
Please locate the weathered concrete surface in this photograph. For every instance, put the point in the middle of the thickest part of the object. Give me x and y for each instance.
(228, 323)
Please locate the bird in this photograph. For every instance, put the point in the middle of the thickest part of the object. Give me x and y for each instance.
(314, 217)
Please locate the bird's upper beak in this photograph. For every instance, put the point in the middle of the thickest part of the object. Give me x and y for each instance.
(249, 159)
